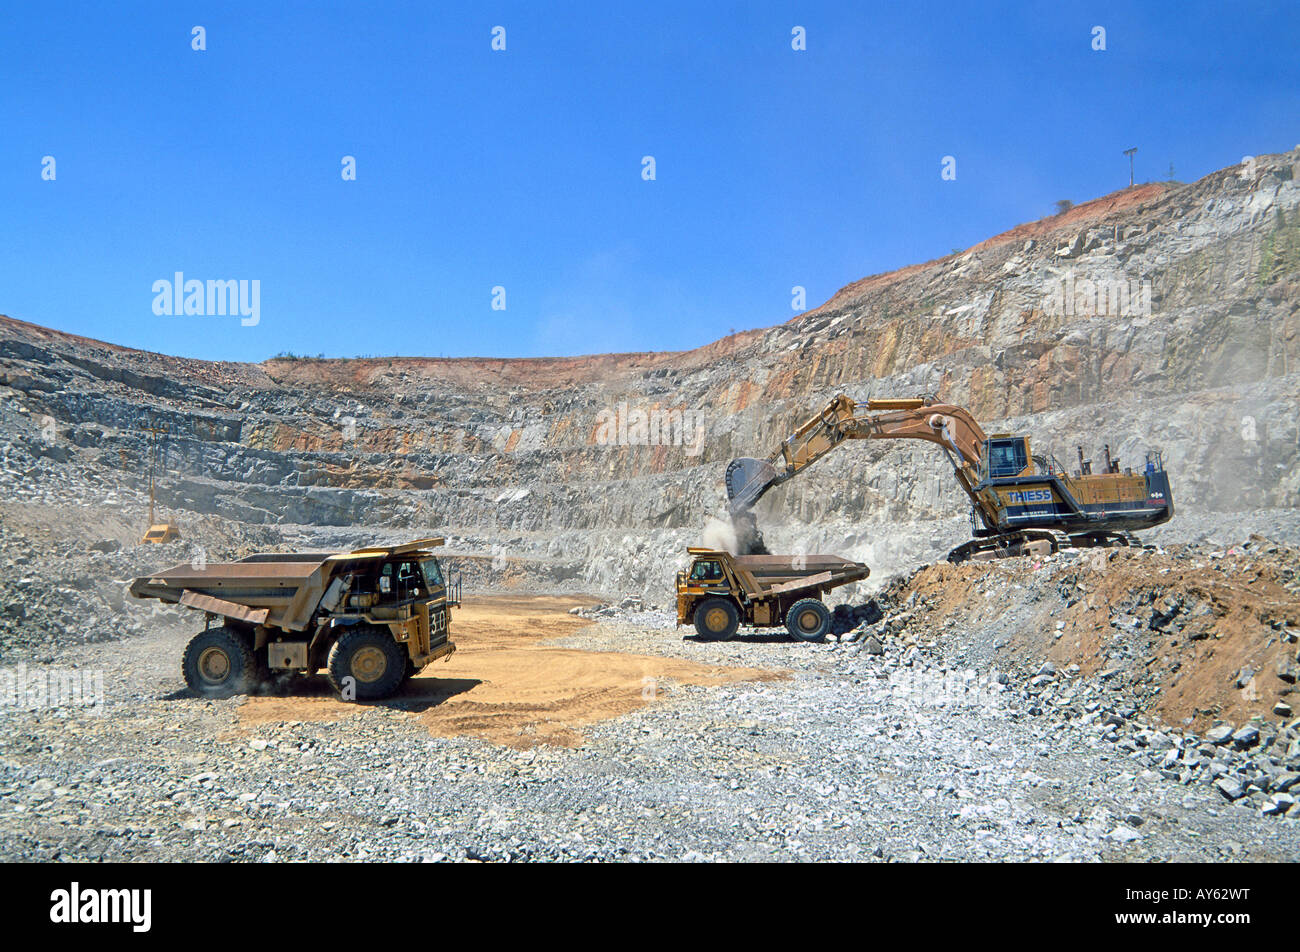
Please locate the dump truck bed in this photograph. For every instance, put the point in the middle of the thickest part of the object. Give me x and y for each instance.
(280, 589)
(257, 590)
(776, 574)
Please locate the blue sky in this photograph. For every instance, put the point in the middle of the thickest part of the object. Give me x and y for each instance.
(523, 168)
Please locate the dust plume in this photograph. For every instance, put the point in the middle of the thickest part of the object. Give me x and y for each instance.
(719, 534)
(738, 534)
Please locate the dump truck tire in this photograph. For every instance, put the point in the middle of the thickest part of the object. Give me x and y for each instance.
(262, 673)
(808, 619)
(411, 670)
(219, 663)
(375, 664)
(716, 619)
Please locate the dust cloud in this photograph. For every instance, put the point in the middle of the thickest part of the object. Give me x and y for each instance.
(719, 534)
(738, 535)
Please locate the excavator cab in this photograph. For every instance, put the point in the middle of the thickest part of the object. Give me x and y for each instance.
(1005, 456)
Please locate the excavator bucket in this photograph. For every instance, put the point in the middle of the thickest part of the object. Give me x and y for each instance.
(747, 480)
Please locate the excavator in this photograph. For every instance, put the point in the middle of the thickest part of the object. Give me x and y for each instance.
(1021, 503)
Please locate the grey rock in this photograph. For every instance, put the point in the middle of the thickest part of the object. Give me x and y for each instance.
(1219, 734)
(1279, 803)
(1124, 834)
(1285, 780)
(1246, 737)
(1231, 787)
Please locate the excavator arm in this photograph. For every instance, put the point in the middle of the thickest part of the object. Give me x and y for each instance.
(1022, 500)
(919, 418)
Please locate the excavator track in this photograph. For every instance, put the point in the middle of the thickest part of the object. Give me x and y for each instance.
(1108, 540)
(1012, 544)
(1007, 545)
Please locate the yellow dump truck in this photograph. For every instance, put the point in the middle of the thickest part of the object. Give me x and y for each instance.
(721, 591)
(371, 617)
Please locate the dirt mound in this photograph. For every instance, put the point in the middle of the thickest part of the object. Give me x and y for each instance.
(1194, 635)
(505, 686)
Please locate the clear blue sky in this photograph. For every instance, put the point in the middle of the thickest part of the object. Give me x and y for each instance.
(522, 168)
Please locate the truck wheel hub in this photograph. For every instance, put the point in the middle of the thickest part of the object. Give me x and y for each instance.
(369, 664)
(214, 665)
(810, 621)
(716, 619)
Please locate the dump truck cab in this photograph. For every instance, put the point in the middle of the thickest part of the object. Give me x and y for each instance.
(719, 591)
(370, 617)
(706, 569)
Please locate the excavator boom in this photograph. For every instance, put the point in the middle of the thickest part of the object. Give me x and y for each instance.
(1016, 497)
(951, 427)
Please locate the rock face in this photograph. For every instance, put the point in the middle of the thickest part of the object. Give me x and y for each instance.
(1162, 316)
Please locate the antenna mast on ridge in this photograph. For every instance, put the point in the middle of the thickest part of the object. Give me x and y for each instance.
(1129, 153)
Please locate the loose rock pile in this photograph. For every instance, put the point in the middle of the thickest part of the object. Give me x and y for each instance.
(849, 621)
(1255, 765)
(1120, 688)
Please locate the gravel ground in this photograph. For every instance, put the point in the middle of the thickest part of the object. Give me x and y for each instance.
(853, 756)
